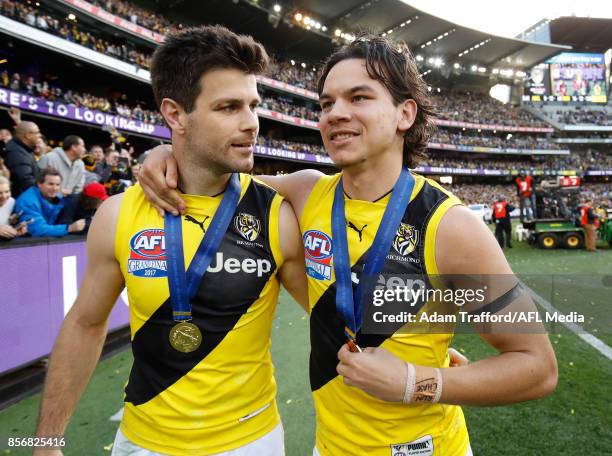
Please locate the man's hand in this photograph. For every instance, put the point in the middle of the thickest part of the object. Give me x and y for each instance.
(14, 218)
(22, 229)
(159, 178)
(7, 231)
(66, 192)
(15, 114)
(4, 171)
(77, 226)
(376, 371)
(456, 358)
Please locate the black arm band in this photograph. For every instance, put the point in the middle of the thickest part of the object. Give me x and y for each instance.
(503, 301)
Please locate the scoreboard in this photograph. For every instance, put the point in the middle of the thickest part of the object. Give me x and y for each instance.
(567, 77)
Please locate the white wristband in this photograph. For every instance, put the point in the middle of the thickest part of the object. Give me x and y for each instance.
(410, 383)
(430, 389)
(436, 398)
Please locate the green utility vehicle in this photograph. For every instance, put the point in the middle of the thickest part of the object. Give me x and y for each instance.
(554, 224)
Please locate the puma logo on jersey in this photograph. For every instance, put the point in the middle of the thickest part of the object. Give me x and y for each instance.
(352, 226)
(420, 447)
(191, 219)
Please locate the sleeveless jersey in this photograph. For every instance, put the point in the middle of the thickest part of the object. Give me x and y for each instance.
(222, 395)
(349, 421)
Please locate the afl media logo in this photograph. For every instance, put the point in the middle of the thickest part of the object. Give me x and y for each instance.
(247, 225)
(318, 253)
(406, 239)
(148, 253)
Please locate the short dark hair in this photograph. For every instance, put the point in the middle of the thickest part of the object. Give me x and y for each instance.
(179, 63)
(48, 171)
(392, 64)
(71, 140)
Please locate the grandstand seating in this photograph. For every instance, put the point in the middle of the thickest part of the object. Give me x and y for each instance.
(469, 122)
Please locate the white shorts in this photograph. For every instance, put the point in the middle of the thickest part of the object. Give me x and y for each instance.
(271, 444)
(315, 452)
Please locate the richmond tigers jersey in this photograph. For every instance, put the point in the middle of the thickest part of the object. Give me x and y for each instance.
(222, 395)
(349, 421)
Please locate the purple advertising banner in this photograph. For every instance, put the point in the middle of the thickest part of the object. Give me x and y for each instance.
(284, 154)
(39, 284)
(71, 112)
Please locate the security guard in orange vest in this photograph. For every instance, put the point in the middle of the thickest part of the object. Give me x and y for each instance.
(524, 186)
(501, 216)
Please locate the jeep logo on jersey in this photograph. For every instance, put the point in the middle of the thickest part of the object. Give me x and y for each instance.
(259, 266)
(406, 239)
(247, 225)
(318, 253)
(148, 253)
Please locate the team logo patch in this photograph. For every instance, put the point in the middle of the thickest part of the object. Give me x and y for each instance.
(248, 226)
(420, 447)
(318, 253)
(148, 254)
(406, 239)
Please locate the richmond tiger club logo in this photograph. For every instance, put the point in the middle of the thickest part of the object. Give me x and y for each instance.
(148, 254)
(318, 254)
(406, 239)
(248, 226)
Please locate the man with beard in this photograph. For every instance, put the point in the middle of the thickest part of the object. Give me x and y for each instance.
(202, 380)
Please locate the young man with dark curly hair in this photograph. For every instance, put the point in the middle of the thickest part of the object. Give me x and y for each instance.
(392, 393)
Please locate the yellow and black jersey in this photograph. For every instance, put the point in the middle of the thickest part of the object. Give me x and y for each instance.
(350, 421)
(222, 395)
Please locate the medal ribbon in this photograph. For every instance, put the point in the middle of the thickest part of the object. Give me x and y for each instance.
(348, 304)
(183, 284)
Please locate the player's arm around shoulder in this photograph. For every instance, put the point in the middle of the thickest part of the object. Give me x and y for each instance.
(526, 367)
(159, 178)
(292, 272)
(294, 187)
(79, 343)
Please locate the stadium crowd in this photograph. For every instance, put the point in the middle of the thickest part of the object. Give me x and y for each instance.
(286, 106)
(511, 141)
(601, 193)
(582, 116)
(289, 72)
(484, 194)
(293, 146)
(481, 108)
(68, 30)
(591, 160)
(137, 15)
(463, 107)
(292, 73)
(52, 92)
(56, 192)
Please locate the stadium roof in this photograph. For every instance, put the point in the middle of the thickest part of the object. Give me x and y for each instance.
(380, 16)
(582, 33)
(427, 33)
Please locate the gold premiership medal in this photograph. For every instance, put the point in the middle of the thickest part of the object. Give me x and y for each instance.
(185, 337)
